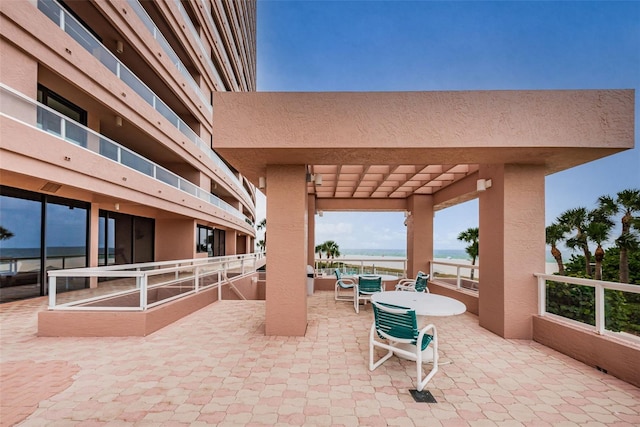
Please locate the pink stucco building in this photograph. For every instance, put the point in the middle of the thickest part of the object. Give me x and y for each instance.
(131, 132)
(107, 152)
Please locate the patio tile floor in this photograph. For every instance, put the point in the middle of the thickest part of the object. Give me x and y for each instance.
(216, 367)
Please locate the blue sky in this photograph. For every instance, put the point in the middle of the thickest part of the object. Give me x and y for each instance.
(424, 45)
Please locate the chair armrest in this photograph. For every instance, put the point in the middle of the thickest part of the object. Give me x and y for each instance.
(407, 287)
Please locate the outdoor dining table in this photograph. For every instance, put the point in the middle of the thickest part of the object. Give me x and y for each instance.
(425, 305)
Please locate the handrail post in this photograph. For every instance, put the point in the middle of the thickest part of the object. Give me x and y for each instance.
(458, 284)
(600, 312)
(52, 292)
(141, 283)
(542, 296)
(219, 287)
(197, 279)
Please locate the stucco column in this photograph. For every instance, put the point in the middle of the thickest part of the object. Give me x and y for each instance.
(311, 239)
(286, 293)
(512, 246)
(94, 232)
(230, 242)
(419, 234)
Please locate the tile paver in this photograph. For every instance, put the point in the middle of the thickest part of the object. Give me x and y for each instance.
(216, 367)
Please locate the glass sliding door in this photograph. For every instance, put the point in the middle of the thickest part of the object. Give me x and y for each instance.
(39, 233)
(125, 239)
(20, 246)
(143, 242)
(66, 237)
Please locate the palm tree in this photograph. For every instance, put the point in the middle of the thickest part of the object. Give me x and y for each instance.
(577, 219)
(319, 249)
(555, 233)
(263, 226)
(5, 234)
(628, 202)
(471, 235)
(599, 232)
(331, 249)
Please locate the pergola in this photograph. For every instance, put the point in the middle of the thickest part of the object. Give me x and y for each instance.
(417, 152)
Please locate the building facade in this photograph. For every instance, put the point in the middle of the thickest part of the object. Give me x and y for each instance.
(107, 154)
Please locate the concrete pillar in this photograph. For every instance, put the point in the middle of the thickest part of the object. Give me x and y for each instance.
(311, 240)
(230, 242)
(419, 234)
(94, 232)
(512, 246)
(286, 293)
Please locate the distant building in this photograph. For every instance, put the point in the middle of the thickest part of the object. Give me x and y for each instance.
(107, 153)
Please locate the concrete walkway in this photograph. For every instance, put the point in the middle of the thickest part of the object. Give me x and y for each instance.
(216, 367)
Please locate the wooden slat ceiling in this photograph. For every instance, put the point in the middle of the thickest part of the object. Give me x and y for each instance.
(384, 181)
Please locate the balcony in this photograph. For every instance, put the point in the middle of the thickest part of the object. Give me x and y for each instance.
(31, 113)
(166, 47)
(88, 41)
(216, 366)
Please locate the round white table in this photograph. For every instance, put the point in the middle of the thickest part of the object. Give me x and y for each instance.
(424, 304)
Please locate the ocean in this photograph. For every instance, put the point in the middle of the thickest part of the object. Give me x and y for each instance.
(438, 253)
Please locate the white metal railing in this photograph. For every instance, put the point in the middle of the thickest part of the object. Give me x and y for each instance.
(360, 265)
(455, 268)
(115, 287)
(162, 41)
(31, 113)
(80, 34)
(599, 287)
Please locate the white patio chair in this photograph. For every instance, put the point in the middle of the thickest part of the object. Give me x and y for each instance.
(366, 286)
(343, 283)
(395, 325)
(419, 284)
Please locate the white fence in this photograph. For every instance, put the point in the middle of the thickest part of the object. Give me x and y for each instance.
(137, 287)
(599, 287)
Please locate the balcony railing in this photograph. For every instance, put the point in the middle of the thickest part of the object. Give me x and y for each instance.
(359, 265)
(196, 36)
(80, 34)
(138, 287)
(457, 274)
(599, 318)
(31, 113)
(162, 41)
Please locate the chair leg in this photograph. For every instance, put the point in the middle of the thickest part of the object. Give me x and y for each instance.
(422, 382)
(373, 365)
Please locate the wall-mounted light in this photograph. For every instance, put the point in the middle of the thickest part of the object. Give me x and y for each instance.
(117, 206)
(483, 184)
(118, 121)
(262, 182)
(119, 46)
(407, 214)
(320, 213)
(315, 178)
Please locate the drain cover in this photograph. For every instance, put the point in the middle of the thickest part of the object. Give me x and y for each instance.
(423, 396)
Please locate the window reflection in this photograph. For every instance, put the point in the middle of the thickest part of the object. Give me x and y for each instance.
(20, 265)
